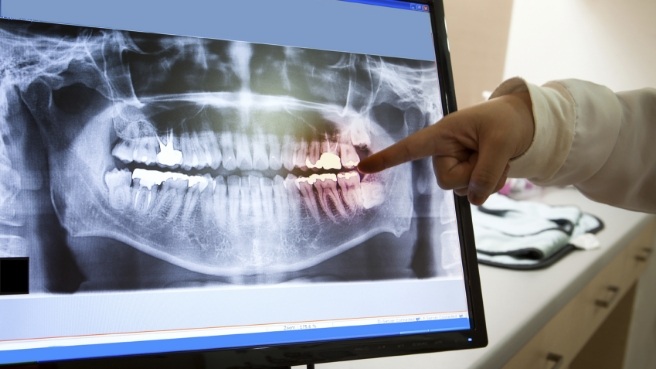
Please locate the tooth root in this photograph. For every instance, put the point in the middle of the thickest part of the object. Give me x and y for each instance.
(358, 133)
(190, 203)
(189, 145)
(229, 160)
(313, 155)
(287, 152)
(256, 199)
(268, 199)
(220, 202)
(349, 183)
(280, 201)
(260, 159)
(178, 188)
(329, 146)
(143, 198)
(294, 197)
(201, 158)
(118, 184)
(275, 162)
(349, 155)
(169, 154)
(330, 200)
(309, 198)
(243, 152)
(300, 154)
(233, 184)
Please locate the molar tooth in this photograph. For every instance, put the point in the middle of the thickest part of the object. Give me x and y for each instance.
(123, 151)
(287, 152)
(313, 155)
(273, 144)
(145, 150)
(326, 186)
(169, 154)
(212, 150)
(190, 203)
(349, 183)
(143, 198)
(373, 194)
(243, 152)
(300, 154)
(329, 146)
(306, 190)
(188, 148)
(260, 159)
(118, 184)
(178, 187)
(350, 158)
(228, 150)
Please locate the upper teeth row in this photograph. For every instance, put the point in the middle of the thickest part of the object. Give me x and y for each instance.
(199, 150)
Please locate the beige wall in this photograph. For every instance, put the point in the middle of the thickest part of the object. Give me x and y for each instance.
(478, 34)
(612, 42)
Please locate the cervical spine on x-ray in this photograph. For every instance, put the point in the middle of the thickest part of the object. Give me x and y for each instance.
(221, 157)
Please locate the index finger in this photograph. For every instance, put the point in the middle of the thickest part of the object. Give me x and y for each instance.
(416, 146)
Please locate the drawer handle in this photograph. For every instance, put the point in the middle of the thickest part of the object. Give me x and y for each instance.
(555, 360)
(644, 255)
(613, 291)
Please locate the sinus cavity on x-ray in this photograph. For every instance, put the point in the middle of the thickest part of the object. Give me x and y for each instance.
(141, 161)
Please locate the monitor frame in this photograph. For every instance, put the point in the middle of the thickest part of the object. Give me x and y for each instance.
(286, 355)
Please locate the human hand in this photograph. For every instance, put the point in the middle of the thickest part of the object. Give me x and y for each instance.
(471, 148)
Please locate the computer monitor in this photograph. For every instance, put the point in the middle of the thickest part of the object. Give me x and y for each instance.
(181, 178)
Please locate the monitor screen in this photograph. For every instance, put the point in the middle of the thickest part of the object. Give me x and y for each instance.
(182, 178)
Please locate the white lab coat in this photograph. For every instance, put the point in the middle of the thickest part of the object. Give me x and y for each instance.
(602, 142)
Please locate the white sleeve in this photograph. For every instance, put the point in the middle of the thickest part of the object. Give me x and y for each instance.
(602, 142)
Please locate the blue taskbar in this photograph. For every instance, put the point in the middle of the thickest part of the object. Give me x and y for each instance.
(54, 353)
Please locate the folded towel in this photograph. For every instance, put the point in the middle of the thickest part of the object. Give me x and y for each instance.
(528, 235)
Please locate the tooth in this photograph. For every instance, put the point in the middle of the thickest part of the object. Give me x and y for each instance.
(331, 147)
(243, 152)
(146, 150)
(358, 134)
(169, 199)
(300, 154)
(373, 194)
(260, 159)
(212, 150)
(233, 184)
(190, 202)
(328, 195)
(287, 152)
(202, 159)
(280, 200)
(293, 196)
(143, 197)
(275, 162)
(207, 204)
(349, 183)
(268, 199)
(446, 207)
(256, 201)
(220, 202)
(118, 183)
(228, 150)
(168, 155)
(313, 155)
(307, 194)
(178, 187)
(350, 158)
(123, 151)
(189, 157)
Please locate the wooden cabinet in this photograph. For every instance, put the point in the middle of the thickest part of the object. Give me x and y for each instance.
(591, 330)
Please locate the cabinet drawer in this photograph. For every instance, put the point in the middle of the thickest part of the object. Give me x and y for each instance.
(556, 345)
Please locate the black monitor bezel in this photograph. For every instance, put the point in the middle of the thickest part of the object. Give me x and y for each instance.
(286, 355)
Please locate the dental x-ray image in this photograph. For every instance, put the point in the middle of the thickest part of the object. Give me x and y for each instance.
(141, 161)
